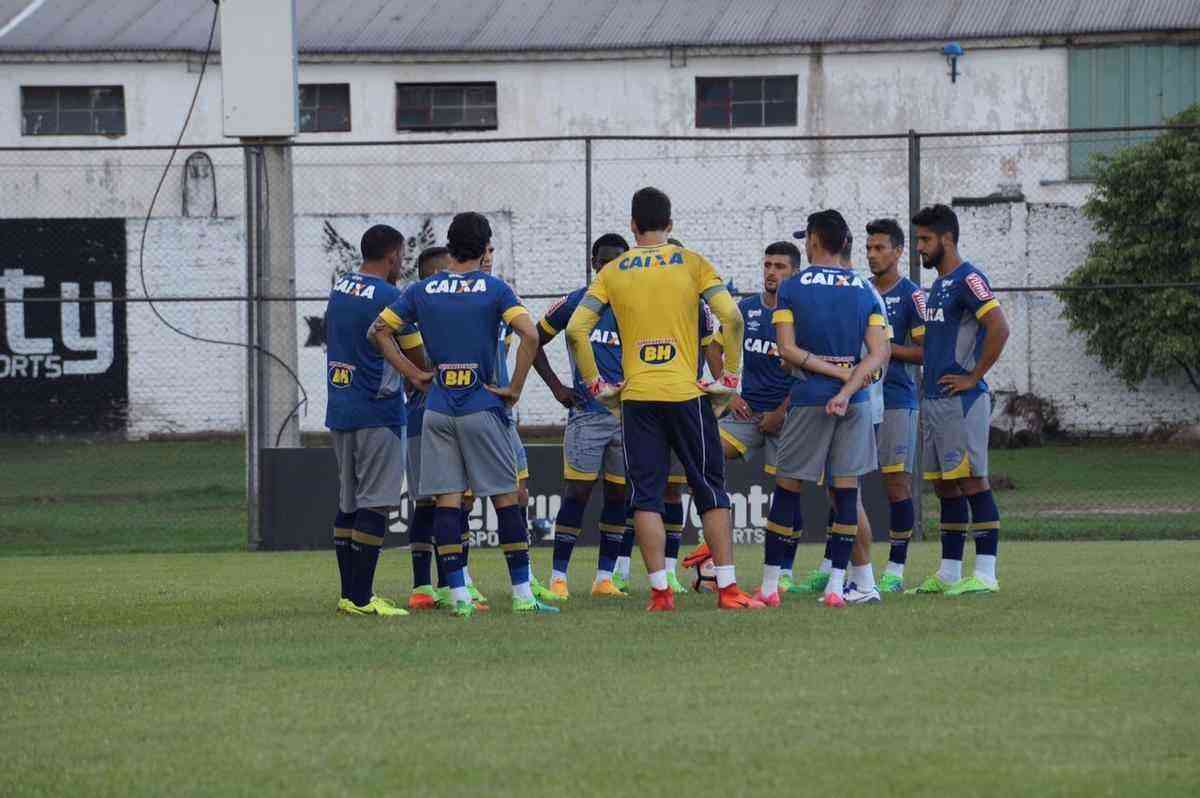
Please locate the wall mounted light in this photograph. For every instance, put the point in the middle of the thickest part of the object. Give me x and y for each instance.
(953, 51)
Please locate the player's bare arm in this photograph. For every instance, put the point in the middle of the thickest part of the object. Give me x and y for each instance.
(794, 356)
(878, 347)
(541, 364)
(523, 326)
(910, 353)
(714, 356)
(995, 325)
(772, 420)
(383, 335)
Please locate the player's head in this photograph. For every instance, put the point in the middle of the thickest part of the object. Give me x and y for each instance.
(885, 245)
(937, 234)
(651, 212)
(847, 251)
(432, 260)
(468, 237)
(606, 248)
(780, 260)
(489, 255)
(382, 250)
(824, 235)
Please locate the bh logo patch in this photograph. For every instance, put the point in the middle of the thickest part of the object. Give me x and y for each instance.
(341, 375)
(656, 353)
(458, 375)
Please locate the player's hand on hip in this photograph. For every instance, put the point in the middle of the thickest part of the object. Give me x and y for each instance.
(740, 410)
(566, 397)
(422, 382)
(772, 422)
(838, 405)
(953, 384)
(606, 393)
(506, 393)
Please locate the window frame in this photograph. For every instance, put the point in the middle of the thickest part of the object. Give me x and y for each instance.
(730, 105)
(465, 87)
(316, 109)
(93, 109)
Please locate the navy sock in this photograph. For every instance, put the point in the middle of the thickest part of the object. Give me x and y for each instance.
(985, 522)
(566, 531)
(902, 518)
(365, 542)
(954, 523)
(447, 533)
(673, 523)
(420, 543)
(628, 538)
(343, 527)
(781, 519)
(514, 541)
(845, 526)
(465, 535)
(829, 533)
(793, 543)
(612, 535)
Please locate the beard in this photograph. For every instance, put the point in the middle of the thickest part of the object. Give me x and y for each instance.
(933, 259)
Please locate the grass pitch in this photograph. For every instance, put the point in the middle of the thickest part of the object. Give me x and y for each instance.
(229, 674)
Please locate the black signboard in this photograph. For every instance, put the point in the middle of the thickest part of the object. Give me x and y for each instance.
(63, 364)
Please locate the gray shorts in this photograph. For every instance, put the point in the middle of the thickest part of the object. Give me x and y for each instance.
(745, 437)
(473, 452)
(954, 437)
(370, 467)
(592, 445)
(811, 440)
(897, 437)
(519, 450)
(413, 469)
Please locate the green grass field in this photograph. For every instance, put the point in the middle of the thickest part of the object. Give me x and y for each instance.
(229, 674)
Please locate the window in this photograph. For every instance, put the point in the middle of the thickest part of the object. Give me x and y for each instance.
(1126, 85)
(746, 102)
(445, 106)
(72, 111)
(324, 107)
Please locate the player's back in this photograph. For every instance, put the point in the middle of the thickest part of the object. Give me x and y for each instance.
(363, 389)
(653, 293)
(831, 309)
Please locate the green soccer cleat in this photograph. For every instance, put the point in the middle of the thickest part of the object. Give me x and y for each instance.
(524, 605)
(674, 584)
(376, 606)
(815, 583)
(930, 586)
(786, 584)
(620, 582)
(443, 597)
(972, 586)
(476, 596)
(464, 609)
(344, 606)
(540, 591)
(890, 583)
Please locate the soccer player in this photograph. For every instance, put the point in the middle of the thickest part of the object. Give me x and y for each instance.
(653, 292)
(897, 434)
(828, 313)
(365, 414)
(465, 441)
(592, 443)
(965, 332)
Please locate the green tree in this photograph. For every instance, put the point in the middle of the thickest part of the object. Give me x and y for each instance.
(1146, 212)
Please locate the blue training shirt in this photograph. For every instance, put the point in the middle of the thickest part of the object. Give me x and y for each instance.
(606, 347)
(953, 334)
(459, 315)
(364, 390)
(905, 303)
(831, 309)
(765, 380)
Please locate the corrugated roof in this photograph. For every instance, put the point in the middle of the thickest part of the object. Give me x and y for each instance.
(431, 26)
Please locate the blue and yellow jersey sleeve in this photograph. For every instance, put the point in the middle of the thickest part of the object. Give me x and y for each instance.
(915, 303)
(510, 306)
(401, 313)
(976, 295)
(409, 337)
(559, 314)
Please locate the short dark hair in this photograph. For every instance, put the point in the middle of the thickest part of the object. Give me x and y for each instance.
(675, 242)
(611, 240)
(468, 236)
(785, 248)
(428, 255)
(889, 228)
(830, 227)
(651, 210)
(379, 241)
(847, 247)
(941, 219)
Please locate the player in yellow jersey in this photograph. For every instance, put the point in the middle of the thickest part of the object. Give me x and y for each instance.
(653, 291)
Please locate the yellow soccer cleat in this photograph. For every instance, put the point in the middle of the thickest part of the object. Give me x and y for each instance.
(607, 589)
(559, 588)
(344, 606)
(376, 606)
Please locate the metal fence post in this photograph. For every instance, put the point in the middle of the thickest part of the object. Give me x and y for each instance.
(587, 193)
(914, 274)
(253, 533)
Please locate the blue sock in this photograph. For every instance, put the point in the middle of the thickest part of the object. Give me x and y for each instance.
(465, 535)
(985, 522)
(514, 541)
(845, 526)
(420, 542)
(628, 538)
(447, 532)
(673, 523)
(902, 517)
(365, 542)
(954, 523)
(612, 535)
(780, 521)
(566, 531)
(794, 542)
(343, 528)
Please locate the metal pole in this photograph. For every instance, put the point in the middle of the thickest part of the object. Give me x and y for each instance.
(914, 274)
(587, 213)
(253, 533)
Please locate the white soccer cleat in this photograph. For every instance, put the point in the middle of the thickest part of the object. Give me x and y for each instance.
(853, 595)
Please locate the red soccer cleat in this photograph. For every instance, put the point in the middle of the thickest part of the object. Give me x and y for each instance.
(732, 598)
(661, 601)
(698, 556)
(420, 600)
(768, 601)
(833, 600)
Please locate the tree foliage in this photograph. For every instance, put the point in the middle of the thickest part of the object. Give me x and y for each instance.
(1146, 212)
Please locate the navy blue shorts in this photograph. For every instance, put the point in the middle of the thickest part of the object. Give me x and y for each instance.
(652, 431)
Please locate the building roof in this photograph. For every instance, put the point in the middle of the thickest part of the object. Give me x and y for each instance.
(464, 26)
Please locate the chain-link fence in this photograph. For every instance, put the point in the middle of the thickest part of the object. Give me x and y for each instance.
(135, 415)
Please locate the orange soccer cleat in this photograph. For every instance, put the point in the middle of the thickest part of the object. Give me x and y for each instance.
(699, 555)
(423, 598)
(768, 601)
(661, 601)
(833, 600)
(732, 598)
